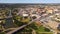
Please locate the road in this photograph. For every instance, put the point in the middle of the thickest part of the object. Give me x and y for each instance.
(42, 18)
(22, 26)
(6, 18)
(49, 15)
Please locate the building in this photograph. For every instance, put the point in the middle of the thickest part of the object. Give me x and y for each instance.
(58, 27)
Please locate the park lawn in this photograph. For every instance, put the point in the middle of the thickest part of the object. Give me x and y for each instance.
(42, 29)
(25, 20)
(2, 32)
(45, 33)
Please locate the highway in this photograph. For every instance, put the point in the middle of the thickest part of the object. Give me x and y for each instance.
(21, 27)
(39, 18)
(48, 17)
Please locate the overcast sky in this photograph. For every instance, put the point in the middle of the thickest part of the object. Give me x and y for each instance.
(29, 1)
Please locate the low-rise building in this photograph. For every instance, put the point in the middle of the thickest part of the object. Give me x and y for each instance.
(58, 27)
(25, 15)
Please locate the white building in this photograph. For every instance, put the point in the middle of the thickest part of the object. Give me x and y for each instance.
(25, 15)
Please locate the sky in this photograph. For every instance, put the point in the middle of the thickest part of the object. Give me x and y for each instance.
(29, 1)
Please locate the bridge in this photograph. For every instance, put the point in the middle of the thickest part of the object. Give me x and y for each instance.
(42, 18)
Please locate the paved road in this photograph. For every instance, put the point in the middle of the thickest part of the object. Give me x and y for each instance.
(22, 26)
(6, 18)
(31, 22)
(44, 18)
(48, 16)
